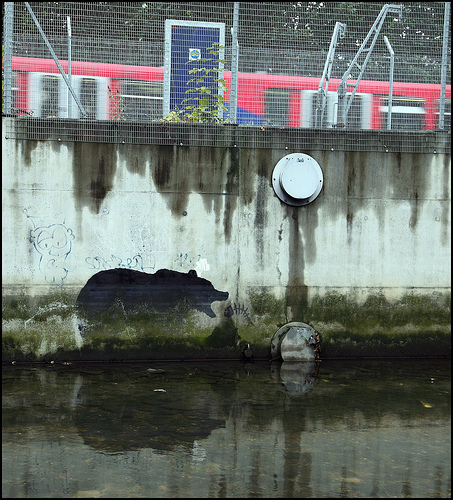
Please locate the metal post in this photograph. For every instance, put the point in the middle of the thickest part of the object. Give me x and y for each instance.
(234, 66)
(344, 106)
(65, 78)
(392, 62)
(339, 31)
(443, 76)
(8, 23)
(69, 68)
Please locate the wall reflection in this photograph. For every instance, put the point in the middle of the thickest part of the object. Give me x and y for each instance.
(212, 429)
(296, 378)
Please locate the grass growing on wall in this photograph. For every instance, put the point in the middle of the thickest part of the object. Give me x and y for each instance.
(414, 325)
(46, 328)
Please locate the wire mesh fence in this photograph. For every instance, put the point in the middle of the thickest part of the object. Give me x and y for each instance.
(358, 66)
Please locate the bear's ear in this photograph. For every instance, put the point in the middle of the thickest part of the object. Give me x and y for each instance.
(192, 273)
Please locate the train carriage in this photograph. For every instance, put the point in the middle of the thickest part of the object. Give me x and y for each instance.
(135, 93)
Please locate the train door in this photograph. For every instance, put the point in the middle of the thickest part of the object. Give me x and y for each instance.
(359, 115)
(93, 95)
(44, 95)
(48, 96)
(308, 108)
(360, 111)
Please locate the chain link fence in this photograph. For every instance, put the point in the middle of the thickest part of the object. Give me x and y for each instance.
(357, 66)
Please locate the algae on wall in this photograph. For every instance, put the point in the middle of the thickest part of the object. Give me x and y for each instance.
(50, 328)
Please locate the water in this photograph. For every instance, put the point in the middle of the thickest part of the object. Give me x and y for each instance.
(228, 429)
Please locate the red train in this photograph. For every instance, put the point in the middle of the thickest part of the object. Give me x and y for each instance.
(135, 93)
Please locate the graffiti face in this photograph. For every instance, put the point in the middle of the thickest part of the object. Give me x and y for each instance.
(158, 292)
(54, 245)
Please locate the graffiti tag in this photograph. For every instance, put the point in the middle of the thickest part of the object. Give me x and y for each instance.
(54, 244)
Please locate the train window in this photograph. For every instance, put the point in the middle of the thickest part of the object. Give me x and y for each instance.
(49, 96)
(355, 112)
(88, 96)
(408, 113)
(359, 113)
(276, 107)
(447, 114)
(142, 101)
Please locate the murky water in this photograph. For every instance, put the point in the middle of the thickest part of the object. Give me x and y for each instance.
(228, 429)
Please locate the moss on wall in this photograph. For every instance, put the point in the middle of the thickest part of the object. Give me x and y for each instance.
(49, 328)
(421, 311)
(52, 328)
(414, 325)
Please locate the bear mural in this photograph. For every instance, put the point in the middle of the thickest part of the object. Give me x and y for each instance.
(133, 290)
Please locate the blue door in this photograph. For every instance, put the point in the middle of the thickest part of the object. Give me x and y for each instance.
(191, 46)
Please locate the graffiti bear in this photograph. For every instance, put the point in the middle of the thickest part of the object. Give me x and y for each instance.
(162, 291)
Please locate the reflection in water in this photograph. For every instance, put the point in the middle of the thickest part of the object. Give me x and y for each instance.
(215, 429)
(295, 377)
(135, 416)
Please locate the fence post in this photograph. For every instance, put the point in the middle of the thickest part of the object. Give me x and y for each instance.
(8, 23)
(234, 66)
(69, 69)
(65, 78)
(443, 76)
(392, 63)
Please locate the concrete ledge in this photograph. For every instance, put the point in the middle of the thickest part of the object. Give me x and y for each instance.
(228, 135)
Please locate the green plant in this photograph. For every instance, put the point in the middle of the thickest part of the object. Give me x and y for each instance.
(115, 105)
(204, 103)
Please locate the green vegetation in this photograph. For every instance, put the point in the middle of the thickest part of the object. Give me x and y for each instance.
(204, 103)
(47, 328)
(116, 105)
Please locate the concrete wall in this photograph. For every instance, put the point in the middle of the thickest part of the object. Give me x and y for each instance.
(367, 263)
